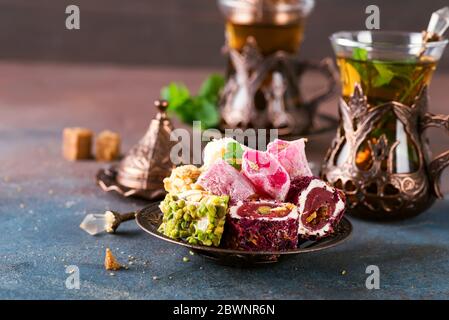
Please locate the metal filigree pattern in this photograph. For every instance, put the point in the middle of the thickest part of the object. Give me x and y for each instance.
(440, 162)
(275, 80)
(378, 190)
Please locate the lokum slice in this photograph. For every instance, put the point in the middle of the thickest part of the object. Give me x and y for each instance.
(262, 226)
(320, 206)
(215, 150)
(233, 154)
(194, 216)
(182, 178)
(292, 156)
(223, 179)
(266, 174)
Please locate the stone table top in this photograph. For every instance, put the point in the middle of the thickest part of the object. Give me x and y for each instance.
(43, 199)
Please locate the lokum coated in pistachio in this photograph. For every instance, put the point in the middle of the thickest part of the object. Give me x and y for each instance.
(194, 216)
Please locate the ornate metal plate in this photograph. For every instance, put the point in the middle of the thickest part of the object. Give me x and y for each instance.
(149, 219)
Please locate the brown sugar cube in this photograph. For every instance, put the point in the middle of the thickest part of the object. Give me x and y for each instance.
(107, 146)
(77, 143)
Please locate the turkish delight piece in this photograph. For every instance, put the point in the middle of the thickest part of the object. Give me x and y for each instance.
(266, 174)
(194, 216)
(107, 146)
(215, 150)
(223, 179)
(292, 156)
(320, 206)
(262, 226)
(77, 143)
(182, 178)
(233, 154)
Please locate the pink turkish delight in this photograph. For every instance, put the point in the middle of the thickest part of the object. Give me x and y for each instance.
(223, 179)
(292, 156)
(266, 174)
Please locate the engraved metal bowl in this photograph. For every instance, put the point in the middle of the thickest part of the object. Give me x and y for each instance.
(150, 218)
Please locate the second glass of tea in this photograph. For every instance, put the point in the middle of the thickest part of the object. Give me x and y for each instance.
(274, 24)
(263, 38)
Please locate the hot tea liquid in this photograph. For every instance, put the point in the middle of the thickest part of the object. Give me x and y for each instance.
(384, 81)
(269, 37)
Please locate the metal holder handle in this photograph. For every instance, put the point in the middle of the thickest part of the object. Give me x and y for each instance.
(250, 71)
(440, 162)
(327, 69)
(296, 69)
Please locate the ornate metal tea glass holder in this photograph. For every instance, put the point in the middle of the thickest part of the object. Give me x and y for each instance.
(272, 82)
(377, 192)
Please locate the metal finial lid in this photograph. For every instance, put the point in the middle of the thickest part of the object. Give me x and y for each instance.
(149, 162)
(162, 105)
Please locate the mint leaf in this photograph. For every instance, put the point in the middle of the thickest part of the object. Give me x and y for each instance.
(384, 76)
(205, 111)
(202, 107)
(211, 87)
(360, 54)
(233, 154)
(359, 57)
(176, 94)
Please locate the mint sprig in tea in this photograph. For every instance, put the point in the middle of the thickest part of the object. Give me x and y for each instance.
(385, 80)
(389, 67)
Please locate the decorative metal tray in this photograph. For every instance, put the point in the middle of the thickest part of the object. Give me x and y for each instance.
(149, 219)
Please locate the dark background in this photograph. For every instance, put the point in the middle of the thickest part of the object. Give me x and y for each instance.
(171, 32)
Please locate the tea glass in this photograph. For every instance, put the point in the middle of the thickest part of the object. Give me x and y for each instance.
(262, 89)
(380, 156)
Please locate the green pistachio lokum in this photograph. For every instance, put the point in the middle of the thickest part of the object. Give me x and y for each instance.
(194, 216)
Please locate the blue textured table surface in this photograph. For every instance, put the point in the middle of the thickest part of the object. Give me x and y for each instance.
(43, 199)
